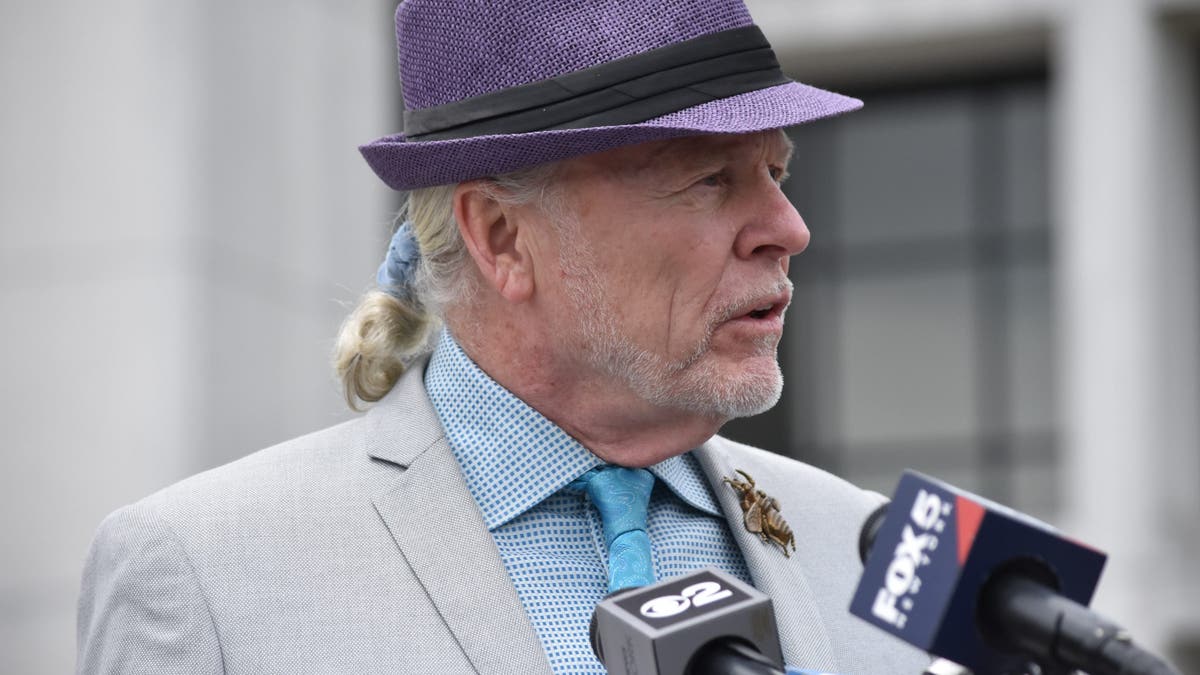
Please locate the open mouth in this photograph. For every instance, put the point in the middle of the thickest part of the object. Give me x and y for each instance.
(765, 312)
(767, 309)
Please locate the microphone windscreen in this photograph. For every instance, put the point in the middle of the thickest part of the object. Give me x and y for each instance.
(870, 530)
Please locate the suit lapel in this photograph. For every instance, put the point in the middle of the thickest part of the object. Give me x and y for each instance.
(437, 525)
(801, 630)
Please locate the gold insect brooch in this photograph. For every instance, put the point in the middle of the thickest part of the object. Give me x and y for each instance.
(761, 513)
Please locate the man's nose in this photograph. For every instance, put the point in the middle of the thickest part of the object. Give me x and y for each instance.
(773, 228)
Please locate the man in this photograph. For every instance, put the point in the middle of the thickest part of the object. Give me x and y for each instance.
(596, 254)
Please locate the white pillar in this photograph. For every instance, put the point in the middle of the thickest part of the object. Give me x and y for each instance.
(1127, 302)
(182, 209)
(94, 290)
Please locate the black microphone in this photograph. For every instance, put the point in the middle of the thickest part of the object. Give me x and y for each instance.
(975, 582)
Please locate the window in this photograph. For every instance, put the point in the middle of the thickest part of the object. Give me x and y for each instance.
(921, 332)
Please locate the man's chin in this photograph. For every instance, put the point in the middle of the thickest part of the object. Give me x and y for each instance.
(747, 388)
(754, 400)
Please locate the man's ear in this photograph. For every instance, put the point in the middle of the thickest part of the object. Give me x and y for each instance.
(495, 239)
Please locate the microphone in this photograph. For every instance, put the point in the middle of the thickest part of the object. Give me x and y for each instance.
(695, 624)
(700, 623)
(987, 587)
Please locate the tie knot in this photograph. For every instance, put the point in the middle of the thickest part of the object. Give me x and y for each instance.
(622, 497)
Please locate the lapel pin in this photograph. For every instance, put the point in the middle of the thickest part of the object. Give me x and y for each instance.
(761, 513)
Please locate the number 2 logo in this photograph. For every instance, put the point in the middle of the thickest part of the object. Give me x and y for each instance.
(696, 595)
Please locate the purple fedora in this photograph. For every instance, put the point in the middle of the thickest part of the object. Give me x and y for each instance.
(492, 86)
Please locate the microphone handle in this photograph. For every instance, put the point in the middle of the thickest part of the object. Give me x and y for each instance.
(1030, 617)
(733, 657)
(870, 530)
(725, 656)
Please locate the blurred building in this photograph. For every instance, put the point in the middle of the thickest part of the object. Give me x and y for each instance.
(1002, 288)
(184, 217)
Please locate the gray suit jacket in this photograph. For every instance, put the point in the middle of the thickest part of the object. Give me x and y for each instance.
(358, 549)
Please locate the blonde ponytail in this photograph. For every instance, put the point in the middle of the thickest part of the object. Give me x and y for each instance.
(386, 333)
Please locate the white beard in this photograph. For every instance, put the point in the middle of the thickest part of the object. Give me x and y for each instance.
(694, 384)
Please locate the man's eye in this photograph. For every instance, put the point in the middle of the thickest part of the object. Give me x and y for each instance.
(779, 174)
(712, 180)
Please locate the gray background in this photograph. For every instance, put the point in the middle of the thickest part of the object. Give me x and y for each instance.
(1001, 289)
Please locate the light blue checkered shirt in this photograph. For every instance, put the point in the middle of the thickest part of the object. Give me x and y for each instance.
(517, 464)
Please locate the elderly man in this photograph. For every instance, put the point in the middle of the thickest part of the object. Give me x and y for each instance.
(591, 279)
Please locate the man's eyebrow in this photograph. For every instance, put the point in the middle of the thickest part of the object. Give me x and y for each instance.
(669, 158)
(687, 156)
(662, 155)
(684, 156)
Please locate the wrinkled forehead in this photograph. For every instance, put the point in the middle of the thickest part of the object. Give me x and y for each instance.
(636, 162)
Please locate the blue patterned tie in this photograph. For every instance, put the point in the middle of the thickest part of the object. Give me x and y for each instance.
(621, 496)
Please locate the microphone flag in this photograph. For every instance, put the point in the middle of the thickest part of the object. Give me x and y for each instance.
(936, 550)
(660, 628)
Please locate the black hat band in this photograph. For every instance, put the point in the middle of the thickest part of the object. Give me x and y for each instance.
(626, 91)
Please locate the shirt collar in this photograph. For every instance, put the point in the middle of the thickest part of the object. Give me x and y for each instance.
(512, 457)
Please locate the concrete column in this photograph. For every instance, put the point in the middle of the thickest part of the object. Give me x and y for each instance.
(293, 223)
(1127, 300)
(95, 291)
(182, 213)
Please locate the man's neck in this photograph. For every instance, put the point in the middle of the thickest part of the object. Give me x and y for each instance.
(602, 414)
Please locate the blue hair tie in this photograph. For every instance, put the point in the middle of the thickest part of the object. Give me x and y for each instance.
(395, 273)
